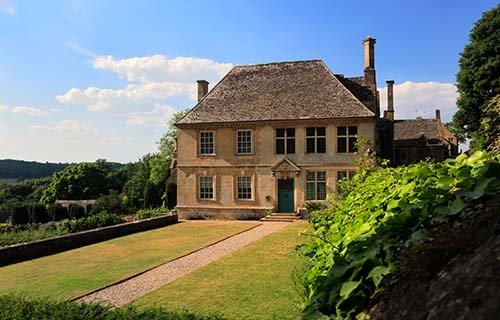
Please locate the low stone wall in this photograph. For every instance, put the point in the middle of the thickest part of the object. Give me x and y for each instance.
(31, 250)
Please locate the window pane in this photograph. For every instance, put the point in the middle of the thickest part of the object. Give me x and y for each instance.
(321, 131)
(244, 142)
(310, 175)
(280, 146)
(290, 132)
(321, 145)
(310, 145)
(321, 175)
(206, 188)
(353, 130)
(341, 131)
(310, 131)
(244, 185)
(341, 145)
(290, 145)
(352, 145)
(341, 175)
(321, 191)
(280, 132)
(206, 142)
(310, 191)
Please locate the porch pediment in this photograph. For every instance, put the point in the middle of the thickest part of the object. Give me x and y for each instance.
(285, 165)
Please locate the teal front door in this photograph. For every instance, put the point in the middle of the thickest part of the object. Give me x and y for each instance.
(285, 195)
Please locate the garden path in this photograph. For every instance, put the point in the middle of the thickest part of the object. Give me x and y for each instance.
(124, 292)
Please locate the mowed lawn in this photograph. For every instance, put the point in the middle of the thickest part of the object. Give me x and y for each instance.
(256, 282)
(73, 273)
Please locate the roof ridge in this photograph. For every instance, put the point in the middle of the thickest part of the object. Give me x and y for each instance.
(277, 62)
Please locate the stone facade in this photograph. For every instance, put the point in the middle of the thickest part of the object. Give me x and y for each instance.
(264, 166)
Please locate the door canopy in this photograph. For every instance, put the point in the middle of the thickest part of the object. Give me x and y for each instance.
(285, 169)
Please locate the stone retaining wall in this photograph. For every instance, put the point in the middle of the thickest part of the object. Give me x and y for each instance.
(31, 250)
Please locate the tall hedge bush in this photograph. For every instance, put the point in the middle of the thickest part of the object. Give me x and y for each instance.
(20, 215)
(38, 214)
(76, 211)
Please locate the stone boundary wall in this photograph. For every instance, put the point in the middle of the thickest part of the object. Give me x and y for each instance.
(39, 248)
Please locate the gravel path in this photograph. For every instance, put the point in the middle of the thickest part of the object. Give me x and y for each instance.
(124, 292)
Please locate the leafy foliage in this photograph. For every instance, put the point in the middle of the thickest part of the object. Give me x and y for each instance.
(81, 181)
(356, 241)
(478, 80)
(18, 307)
(151, 213)
(490, 125)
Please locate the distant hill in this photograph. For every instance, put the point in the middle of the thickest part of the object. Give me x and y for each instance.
(20, 169)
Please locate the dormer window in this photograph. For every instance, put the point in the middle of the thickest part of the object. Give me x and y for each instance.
(207, 139)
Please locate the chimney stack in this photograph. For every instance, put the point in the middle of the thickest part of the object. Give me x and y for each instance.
(369, 45)
(438, 115)
(390, 100)
(202, 89)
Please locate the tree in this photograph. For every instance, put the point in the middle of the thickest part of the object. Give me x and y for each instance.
(81, 181)
(490, 125)
(478, 80)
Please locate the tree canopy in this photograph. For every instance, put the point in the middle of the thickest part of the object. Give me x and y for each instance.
(478, 80)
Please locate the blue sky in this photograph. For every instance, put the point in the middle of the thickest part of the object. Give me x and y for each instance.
(81, 80)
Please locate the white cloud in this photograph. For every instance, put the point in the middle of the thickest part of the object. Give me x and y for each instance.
(158, 68)
(151, 80)
(8, 6)
(36, 112)
(161, 114)
(3, 108)
(412, 99)
(79, 49)
(114, 140)
(132, 98)
(68, 126)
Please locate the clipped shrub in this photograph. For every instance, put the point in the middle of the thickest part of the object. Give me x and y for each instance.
(76, 211)
(38, 214)
(151, 213)
(171, 195)
(57, 212)
(90, 222)
(249, 215)
(20, 215)
(312, 206)
(200, 215)
(111, 203)
(19, 307)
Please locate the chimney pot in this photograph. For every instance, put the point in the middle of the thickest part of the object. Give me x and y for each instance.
(202, 89)
(438, 115)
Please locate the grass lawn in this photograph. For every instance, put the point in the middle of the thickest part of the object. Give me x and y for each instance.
(76, 272)
(256, 282)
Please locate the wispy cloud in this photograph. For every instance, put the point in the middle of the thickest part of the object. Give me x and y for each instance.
(79, 49)
(68, 126)
(32, 111)
(412, 99)
(8, 6)
(3, 108)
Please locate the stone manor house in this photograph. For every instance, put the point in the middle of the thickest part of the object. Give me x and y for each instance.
(271, 137)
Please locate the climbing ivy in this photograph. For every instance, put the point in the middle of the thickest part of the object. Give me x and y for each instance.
(356, 241)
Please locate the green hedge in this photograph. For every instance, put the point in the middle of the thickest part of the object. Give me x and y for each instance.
(76, 211)
(20, 215)
(354, 249)
(38, 214)
(18, 307)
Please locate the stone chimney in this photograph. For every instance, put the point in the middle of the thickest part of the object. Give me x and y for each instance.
(438, 115)
(202, 89)
(390, 100)
(369, 76)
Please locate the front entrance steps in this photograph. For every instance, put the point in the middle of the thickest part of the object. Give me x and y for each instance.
(282, 217)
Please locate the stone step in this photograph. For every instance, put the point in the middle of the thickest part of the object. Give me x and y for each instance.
(281, 217)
